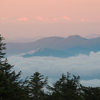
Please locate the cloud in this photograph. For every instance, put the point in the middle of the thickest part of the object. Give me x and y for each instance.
(55, 19)
(39, 18)
(87, 67)
(23, 19)
(82, 20)
(46, 19)
(3, 18)
(66, 18)
(93, 83)
(9, 18)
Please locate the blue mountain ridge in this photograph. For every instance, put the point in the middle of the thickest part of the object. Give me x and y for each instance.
(55, 46)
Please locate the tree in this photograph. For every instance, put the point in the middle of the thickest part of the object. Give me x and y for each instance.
(36, 86)
(11, 87)
(66, 88)
(2, 47)
(91, 93)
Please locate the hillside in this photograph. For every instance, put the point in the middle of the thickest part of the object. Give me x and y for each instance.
(56, 46)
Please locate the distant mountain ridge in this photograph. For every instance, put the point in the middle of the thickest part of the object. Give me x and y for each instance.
(48, 52)
(56, 46)
(90, 36)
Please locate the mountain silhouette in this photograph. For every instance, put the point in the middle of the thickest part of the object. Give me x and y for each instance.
(56, 46)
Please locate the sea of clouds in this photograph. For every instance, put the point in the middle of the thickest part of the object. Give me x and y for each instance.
(87, 67)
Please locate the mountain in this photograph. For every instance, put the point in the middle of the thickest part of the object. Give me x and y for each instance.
(22, 40)
(70, 46)
(48, 52)
(90, 36)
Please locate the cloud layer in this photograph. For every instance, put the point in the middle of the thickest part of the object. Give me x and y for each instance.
(23, 19)
(87, 67)
(66, 18)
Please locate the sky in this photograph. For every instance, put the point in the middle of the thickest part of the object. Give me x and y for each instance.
(85, 66)
(22, 19)
(43, 18)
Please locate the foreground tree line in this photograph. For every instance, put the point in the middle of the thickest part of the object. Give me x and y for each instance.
(36, 86)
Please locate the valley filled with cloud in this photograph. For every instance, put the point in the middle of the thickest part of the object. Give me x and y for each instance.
(85, 66)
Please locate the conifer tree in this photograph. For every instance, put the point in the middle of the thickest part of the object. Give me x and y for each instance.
(66, 88)
(10, 84)
(91, 93)
(36, 85)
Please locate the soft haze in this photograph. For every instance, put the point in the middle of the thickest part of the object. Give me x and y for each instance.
(43, 18)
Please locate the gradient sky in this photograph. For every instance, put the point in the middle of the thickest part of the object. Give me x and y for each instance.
(35, 18)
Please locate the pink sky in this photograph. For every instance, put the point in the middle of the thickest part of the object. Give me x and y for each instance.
(24, 18)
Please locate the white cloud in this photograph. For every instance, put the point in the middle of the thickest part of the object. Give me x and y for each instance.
(93, 83)
(87, 67)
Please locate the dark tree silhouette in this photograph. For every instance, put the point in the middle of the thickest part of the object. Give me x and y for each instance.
(66, 88)
(11, 87)
(36, 86)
